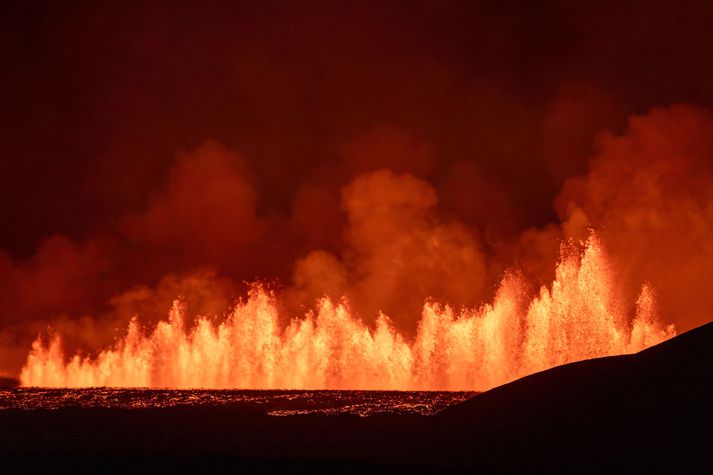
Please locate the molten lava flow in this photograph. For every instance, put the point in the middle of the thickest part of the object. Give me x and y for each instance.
(578, 317)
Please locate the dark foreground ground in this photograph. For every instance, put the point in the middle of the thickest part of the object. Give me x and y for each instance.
(652, 411)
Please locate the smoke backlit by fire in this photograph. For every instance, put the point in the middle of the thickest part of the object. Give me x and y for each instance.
(579, 316)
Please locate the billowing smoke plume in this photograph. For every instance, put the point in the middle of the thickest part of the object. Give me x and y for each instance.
(397, 253)
(650, 192)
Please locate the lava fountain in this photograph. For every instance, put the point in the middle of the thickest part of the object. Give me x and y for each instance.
(578, 316)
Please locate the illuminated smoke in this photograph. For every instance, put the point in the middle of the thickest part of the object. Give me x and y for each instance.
(575, 318)
(647, 195)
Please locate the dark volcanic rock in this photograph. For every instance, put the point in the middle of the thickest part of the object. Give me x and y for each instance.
(652, 409)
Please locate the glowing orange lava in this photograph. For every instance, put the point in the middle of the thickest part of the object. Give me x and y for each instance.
(577, 317)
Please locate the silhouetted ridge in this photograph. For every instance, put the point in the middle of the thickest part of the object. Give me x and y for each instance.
(651, 409)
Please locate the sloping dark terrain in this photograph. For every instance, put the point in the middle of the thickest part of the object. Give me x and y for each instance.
(652, 411)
